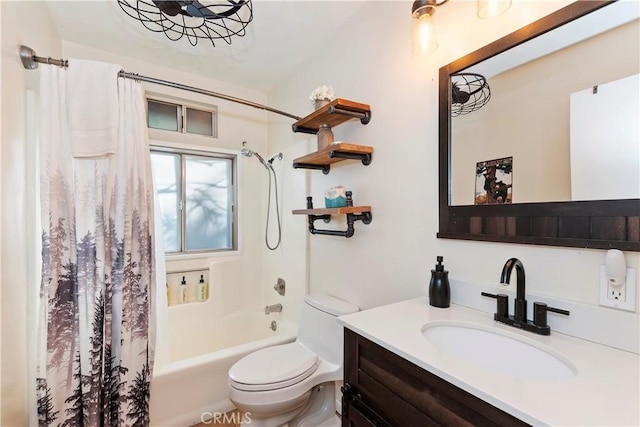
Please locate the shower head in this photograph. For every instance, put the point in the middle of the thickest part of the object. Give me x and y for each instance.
(248, 153)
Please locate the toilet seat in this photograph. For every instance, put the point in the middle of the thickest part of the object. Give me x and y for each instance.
(273, 368)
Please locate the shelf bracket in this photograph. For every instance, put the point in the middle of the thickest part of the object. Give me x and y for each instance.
(365, 158)
(324, 168)
(365, 117)
(301, 129)
(365, 217)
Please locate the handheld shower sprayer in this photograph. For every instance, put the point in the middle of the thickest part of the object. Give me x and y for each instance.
(249, 153)
(268, 165)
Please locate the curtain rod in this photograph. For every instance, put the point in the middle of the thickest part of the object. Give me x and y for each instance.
(30, 62)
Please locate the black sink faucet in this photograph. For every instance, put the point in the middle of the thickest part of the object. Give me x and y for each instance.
(520, 310)
(519, 319)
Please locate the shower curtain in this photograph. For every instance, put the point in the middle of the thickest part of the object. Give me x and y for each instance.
(97, 293)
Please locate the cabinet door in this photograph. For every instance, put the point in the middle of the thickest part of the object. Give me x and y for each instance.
(403, 394)
(356, 413)
(356, 418)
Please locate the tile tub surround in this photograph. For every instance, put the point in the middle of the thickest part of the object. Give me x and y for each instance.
(606, 377)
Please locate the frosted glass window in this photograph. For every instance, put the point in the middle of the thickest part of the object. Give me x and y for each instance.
(200, 122)
(208, 203)
(162, 115)
(196, 197)
(166, 175)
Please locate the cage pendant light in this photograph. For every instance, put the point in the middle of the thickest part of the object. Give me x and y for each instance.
(193, 19)
(469, 93)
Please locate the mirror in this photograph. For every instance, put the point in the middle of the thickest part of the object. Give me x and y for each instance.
(543, 79)
(544, 114)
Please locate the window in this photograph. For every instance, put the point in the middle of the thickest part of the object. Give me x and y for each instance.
(197, 198)
(182, 118)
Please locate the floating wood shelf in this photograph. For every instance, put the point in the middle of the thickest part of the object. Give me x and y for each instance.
(332, 211)
(353, 213)
(336, 152)
(333, 114)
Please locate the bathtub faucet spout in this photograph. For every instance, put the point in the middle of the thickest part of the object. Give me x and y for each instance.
(275, 308)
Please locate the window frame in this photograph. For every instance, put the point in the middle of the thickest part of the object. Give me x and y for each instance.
(181, 114)
(158, 147)
(180, 141)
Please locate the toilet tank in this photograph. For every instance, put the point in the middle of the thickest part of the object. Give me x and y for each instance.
(319, 329)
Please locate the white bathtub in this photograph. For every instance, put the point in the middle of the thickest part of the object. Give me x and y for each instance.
(194, 380)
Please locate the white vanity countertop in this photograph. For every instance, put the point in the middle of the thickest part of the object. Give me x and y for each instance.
(604, 392)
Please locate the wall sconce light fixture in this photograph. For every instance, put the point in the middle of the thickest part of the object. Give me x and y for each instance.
(492, 8)
(423, 32)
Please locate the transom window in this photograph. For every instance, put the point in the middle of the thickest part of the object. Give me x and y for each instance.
(182, 118)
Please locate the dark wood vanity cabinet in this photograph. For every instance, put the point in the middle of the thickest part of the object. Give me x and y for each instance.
(383, 389)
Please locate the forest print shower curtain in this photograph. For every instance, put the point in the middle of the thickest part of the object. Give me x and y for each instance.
(95, 332)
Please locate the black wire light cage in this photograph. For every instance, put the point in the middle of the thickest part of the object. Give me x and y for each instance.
(469, 93)
(195, 20)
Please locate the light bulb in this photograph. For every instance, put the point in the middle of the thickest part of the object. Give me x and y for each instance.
(424, 34)
(492, 8)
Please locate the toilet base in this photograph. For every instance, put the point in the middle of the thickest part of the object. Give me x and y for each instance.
(320, 409)
(276, 415)
(334, 421)
(315, 408)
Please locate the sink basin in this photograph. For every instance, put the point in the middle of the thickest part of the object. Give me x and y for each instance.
(498, 351)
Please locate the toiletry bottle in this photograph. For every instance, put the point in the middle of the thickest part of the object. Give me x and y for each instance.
(439, 290)
(183, 296)
(201, 294)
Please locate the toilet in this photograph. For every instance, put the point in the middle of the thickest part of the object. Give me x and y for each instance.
(294, 383)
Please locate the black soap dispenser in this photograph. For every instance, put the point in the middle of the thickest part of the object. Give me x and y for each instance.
(439, 289)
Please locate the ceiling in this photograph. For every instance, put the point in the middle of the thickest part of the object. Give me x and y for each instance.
(281, 35)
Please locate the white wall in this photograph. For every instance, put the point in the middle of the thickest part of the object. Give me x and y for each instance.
(370, 61)
(25, 23)
(290, 260)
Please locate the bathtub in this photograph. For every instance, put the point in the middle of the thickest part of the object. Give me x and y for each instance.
(193, 381)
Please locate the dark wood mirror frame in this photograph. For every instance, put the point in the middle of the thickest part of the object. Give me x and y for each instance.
(598, 224)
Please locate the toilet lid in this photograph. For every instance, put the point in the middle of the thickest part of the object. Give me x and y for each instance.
(273, 367)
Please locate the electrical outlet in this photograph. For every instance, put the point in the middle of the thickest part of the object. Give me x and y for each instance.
(620, 297)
